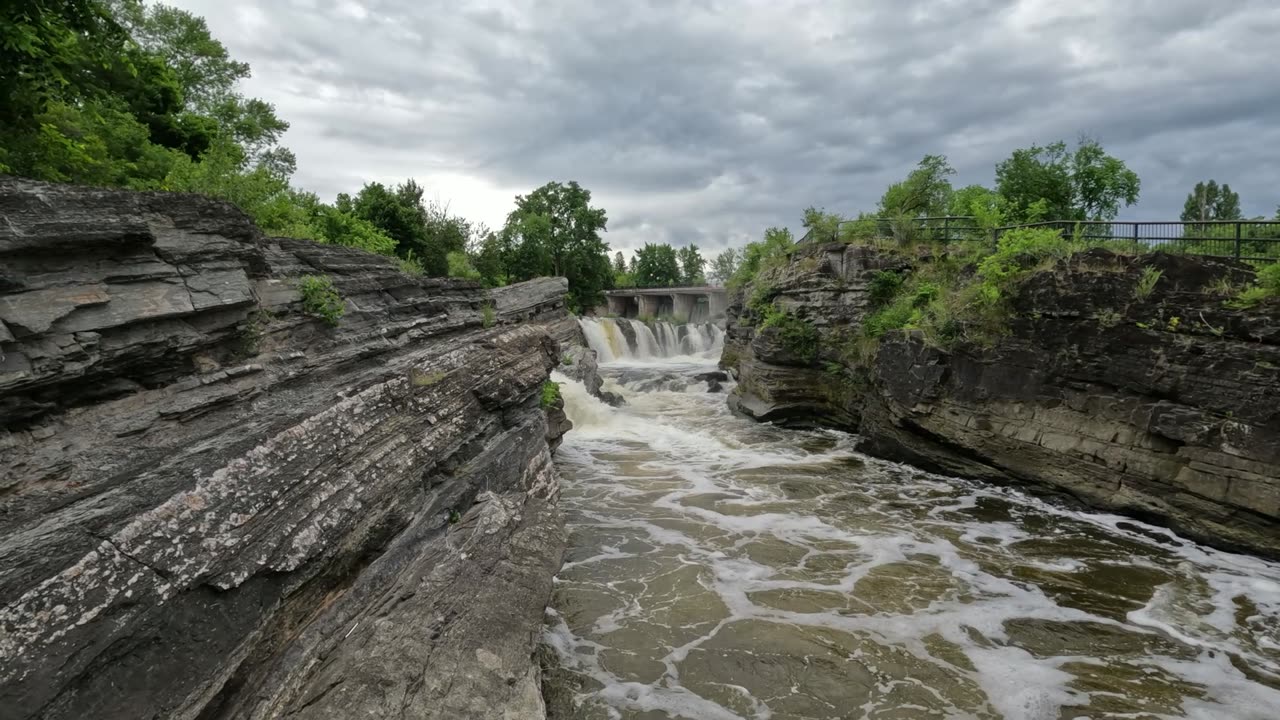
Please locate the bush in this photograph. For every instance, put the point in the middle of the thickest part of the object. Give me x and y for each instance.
(1147, 283)
(1016, 254)
(1269, 278)
(762, 255)
(1265, 285)
(410, 265)
(883, 287)
(460, 266)
(798, 336)
(550, 394)
(321, 299)
(487, 316)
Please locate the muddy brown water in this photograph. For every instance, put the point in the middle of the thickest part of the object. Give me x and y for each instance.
(719, 568)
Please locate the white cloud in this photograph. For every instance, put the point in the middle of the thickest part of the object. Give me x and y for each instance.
(713, 119)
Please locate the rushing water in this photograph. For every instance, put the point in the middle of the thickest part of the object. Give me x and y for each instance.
(620, 339)
(723, 569)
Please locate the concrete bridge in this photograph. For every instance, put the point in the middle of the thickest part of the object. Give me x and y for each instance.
(686, 304)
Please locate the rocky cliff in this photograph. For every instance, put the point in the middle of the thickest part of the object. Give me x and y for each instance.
(214, 504)
(1165, 406)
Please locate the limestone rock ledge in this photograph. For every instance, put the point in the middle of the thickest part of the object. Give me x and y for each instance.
(214, 505)
(1165, 407)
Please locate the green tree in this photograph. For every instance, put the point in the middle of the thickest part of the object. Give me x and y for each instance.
(1209, 201)
(487, 256)
(554, 230)
(724, 265)
(204, 71)
(926, 192)
(691, 266)
(1084, 184)
(657, 266)
(82, 103)
(619, 263)
(757, 256)
(1100, 182)
(823, 225)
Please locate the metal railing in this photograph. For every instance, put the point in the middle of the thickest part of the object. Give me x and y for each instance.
(1241, 239)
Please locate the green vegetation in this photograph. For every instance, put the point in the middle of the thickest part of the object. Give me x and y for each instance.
(1054, 183)
(798, 336)
(550, 394)
(952, 298)
(773, 251)
(661, 265)
(321, 299)
(1147, 283)
(420, 379)
(1209, 201)
(1265, 286)
(119, 93)
(487, 315)
(723, 266)
(566, 359)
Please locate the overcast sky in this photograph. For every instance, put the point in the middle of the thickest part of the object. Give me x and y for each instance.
(709, 120)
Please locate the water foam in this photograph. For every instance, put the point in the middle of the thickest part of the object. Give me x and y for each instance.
(950, 593)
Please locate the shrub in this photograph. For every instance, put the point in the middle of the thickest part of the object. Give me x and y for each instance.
(882, 288)
(321, 299)
(550, 394)
(1269, 278)
(460, 266)
(1016, 253)
(411, 265)
(798, 335)
(1147, 283)
(1265, 285)
(487, 315)
(770, 252)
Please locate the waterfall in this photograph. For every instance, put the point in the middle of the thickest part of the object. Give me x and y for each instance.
(616, 339)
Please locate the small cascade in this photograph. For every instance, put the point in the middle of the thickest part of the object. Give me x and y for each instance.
(616, 339)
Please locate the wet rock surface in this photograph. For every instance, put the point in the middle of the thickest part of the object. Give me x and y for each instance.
(214, 505)
(1166, 407)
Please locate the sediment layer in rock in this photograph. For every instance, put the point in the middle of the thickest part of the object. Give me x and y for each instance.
(215, 505)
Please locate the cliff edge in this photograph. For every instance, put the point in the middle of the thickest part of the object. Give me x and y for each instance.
(1152, 399)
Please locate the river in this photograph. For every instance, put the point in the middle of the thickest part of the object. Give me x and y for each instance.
(719, 568)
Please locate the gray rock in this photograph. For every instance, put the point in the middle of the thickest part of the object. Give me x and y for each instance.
(1177, 422)
(215, 506)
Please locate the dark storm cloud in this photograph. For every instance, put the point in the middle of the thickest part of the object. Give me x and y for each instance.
(709, 121)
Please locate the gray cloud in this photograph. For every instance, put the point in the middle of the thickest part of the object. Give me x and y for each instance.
(711, 120)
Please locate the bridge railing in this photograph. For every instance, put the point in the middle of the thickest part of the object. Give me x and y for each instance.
(1257, 240)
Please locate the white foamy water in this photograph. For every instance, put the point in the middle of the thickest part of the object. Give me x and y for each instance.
(719, 568)
(620, 339)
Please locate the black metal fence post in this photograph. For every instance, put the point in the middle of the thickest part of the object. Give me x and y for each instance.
(1237, 239)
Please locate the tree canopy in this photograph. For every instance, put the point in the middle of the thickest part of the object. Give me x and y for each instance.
(554, 230)
(1054, 183)
(657, 266)
(1209, 201)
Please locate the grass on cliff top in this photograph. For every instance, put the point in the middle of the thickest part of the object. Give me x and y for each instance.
(957, 297)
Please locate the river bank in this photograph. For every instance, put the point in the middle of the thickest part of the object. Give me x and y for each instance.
(1123, 382)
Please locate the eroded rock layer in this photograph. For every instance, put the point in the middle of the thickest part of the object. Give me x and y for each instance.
(213, 504)
(1165, 406)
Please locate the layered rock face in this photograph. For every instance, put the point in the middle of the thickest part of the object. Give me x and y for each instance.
(215, 505)
(1166, 407)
